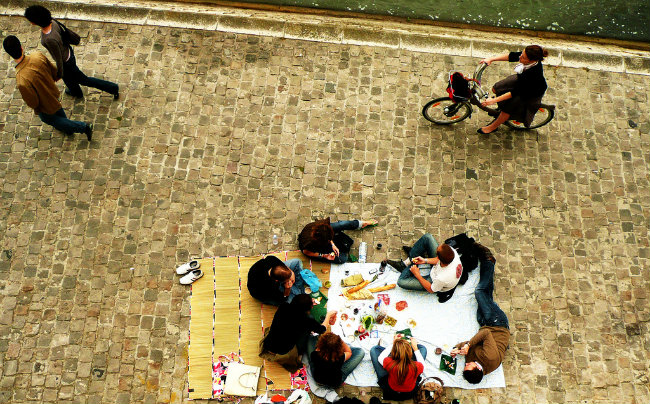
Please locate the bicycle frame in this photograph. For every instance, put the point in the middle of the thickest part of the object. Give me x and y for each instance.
(478, 94)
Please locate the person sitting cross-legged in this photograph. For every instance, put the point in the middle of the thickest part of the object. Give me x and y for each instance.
(331, 360)
(399, 369)
(485, 351)
(442, 260)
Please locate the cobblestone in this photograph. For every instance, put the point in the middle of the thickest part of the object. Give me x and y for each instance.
(221, 140)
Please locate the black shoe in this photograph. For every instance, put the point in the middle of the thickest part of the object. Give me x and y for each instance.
(407, 249)
(117, 94)
(398, 265)
(89, 131)
(484, 253)
(375, 400)
(68, 92)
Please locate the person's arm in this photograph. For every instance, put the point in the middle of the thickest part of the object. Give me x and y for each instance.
(425, 283)
(500, 58)
(347, 352)
(30, 97)
(329, 256)
(382, 357)
(55, 51)
(494, 100)
(479, 337)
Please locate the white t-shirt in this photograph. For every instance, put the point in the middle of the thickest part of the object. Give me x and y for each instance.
(445, 279)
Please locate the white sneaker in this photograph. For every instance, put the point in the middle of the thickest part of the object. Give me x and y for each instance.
(187, 267)
(191, 277)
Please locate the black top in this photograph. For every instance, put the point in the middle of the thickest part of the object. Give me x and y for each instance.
(326, 372)
(260, 285)
(531, 83)
(288, 327)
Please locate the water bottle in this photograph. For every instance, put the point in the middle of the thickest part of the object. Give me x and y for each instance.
(275, 239)
(362, 252)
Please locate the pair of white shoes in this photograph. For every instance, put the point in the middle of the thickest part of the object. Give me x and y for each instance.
(190, 272)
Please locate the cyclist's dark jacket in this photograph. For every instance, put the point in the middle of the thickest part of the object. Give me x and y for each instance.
(531, 83)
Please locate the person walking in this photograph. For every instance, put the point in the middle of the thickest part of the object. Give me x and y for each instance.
(56, 38)
(35, 76)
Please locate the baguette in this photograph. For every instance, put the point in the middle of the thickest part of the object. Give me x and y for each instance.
(358, 287)
(382, 288)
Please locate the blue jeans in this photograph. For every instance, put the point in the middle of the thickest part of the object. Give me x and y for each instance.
(339, 227)
(488, 313)
(299, 286)
(348, 366)
(73, 77)
(61, 122)
(426, 247)
(376, 351)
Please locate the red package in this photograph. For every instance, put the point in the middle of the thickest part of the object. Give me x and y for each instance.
(401, 305)
(384, 298)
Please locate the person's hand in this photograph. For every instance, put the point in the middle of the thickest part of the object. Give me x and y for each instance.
(489, 101)
(335, 250)
(414, 344)
(464, 349)
(454, 352)
(415, 270)
(419, 260)
(398, 336)
(331, 313)
(330, 257)
(289, 283)
(487, 61)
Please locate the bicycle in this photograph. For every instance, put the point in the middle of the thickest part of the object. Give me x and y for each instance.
(455, 108)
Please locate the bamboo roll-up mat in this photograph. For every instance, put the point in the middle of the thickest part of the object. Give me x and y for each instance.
(226, 305)
(201, 333)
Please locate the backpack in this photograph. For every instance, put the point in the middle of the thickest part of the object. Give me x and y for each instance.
(429, 391)
(69, 36)
(458, 87)
(464, 245)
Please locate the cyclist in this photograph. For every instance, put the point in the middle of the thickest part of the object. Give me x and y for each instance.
(520, 94)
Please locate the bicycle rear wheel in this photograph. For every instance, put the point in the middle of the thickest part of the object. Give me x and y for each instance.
(544, 115)
(444, 111)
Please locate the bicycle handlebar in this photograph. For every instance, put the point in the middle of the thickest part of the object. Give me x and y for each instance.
(479, 71)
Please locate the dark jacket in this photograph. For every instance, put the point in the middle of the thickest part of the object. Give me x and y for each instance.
(531, 83)
(288, 327)
(260, 285)
(325, 372)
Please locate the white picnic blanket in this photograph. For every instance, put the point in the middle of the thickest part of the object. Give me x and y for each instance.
(437, 324)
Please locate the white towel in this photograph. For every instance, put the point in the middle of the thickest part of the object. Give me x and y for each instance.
(438, 324)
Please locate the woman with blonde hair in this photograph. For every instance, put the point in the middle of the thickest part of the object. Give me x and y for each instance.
(331, 360)
(398, 370)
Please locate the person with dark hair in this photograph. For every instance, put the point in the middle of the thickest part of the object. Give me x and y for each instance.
(520, 94)
(485, 351)
(325, 241)
(399, 369)
(274, 282)
(35, 77)
(286, 339)
(55, 39)
(331, 360)
(432, 267)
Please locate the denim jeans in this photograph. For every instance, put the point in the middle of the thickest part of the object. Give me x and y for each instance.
(425, 247)
(348, 366)
(61, 122)
(73, 77)
(339, 227)
(488, 313)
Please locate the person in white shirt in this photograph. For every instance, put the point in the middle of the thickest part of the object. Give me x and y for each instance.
(431, 267)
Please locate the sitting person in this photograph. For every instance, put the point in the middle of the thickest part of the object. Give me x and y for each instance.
(398, 373)
(286, 339)
(331, 360)
(274, 282)
(485, 351)
(325, 241)
(443, 261)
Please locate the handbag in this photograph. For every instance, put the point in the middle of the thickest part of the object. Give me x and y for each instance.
(241, 380)
(429, 391)
(69, 36)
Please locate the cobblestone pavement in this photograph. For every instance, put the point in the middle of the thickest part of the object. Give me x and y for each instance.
(221, 140)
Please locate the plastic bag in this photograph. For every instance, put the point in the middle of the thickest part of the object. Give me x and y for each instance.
(311, 279)
(299, 397)
(263, 399)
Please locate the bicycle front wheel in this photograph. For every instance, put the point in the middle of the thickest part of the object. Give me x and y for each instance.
(544, 115)
(444, 111)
